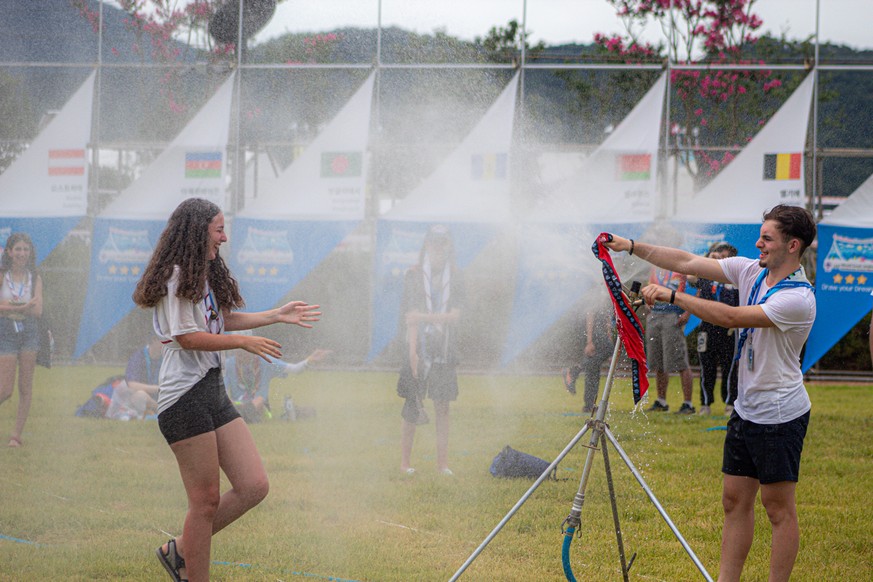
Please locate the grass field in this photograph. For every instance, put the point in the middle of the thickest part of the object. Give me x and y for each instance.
(91, 499)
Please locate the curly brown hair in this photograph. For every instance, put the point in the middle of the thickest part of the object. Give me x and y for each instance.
(14, 239)
(184, 243)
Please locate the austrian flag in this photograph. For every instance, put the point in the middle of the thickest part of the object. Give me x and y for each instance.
(66, 162)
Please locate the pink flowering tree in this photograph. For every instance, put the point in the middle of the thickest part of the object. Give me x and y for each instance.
(715, 107)
(166, 32)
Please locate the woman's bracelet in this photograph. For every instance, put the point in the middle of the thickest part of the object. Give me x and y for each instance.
(672, 296)
(631, 251)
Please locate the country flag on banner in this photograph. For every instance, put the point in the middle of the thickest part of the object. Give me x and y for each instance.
(633, 167)
(203, 165)
(782, 166)
(488, 166)
(341, 164)
(66, 162)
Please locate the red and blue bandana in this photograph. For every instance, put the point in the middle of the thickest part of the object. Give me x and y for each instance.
(629, 329)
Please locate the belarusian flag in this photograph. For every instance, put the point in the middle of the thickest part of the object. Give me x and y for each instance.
(634, 167)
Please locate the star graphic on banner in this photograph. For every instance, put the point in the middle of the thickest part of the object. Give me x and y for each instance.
(850, 279)
(838, 279)
(262, 271)
(274, 271)
(250, 270)
(124, 270)
(112, 269)
(861, 279)
(134, 270)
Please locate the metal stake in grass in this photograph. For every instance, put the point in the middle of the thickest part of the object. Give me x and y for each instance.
(600, 433)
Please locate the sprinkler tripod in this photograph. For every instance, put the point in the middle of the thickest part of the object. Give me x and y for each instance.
(600, 433)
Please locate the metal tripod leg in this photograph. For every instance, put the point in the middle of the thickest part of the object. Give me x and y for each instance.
(625, 566)
(608, 434)
(520, 502)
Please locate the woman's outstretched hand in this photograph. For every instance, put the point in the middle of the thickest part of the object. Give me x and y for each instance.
(262, 347)
(298, 313)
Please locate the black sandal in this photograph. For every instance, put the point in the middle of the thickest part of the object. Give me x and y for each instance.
(171, 560)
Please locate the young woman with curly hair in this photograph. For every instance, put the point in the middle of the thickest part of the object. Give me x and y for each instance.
(20, 310)
(195, 299)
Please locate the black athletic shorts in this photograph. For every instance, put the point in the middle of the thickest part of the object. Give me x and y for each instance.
(204, 408)
(769, 453)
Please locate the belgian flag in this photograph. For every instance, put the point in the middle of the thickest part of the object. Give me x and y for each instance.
(782, 166)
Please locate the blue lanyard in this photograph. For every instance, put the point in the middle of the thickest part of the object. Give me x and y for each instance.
(785, 283)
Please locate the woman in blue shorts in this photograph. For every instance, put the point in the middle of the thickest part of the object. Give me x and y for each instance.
(20, 310)
(194, 298)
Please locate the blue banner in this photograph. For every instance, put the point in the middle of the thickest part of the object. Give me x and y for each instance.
(45, 232)
(120, 250)
(843, 283)
(398, 244)
(270, 257)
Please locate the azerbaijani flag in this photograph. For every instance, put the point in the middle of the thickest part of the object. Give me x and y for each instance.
(782, 166)
(66, 162)
(633, 167)
(203, 165)
(488, 166)
(341, 164)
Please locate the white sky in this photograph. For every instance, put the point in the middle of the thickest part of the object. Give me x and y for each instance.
(556, 21)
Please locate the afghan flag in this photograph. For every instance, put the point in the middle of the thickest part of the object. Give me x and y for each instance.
(341, 164)
(634, 167)
(66, 162)
(782, 166)
(629, 329)
(203, 165)
(488, 166)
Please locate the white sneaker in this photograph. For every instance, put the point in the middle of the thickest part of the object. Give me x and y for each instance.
(704, 411)
(447, 472)
(728, 409)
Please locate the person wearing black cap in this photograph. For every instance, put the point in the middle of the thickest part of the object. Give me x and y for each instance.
(433, 296)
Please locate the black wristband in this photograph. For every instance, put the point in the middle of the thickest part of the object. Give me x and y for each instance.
(672, 296)
(631, 251)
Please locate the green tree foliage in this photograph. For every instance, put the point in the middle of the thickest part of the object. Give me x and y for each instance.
(15, 119)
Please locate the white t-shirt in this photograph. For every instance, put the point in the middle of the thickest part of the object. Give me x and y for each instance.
(181, 368)
(773, 392)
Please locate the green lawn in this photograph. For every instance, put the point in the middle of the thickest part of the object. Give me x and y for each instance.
(90, 500)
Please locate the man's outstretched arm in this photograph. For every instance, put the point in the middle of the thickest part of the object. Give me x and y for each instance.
(670, 258)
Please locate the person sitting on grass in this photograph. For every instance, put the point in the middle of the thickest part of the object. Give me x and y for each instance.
(247, 378)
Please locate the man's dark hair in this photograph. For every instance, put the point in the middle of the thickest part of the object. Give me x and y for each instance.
(794, 222)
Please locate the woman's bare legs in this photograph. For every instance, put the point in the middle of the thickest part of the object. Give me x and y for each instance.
(230, 448)
(26, 366)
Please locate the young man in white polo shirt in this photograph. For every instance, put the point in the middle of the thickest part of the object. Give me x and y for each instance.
(766, 430)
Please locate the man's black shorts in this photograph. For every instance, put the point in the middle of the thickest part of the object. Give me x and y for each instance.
(769, 453)
(204, 408)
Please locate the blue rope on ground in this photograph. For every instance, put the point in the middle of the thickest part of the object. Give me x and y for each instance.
(565, 553)
(285, 571)
(712, 428)
(18, 540)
